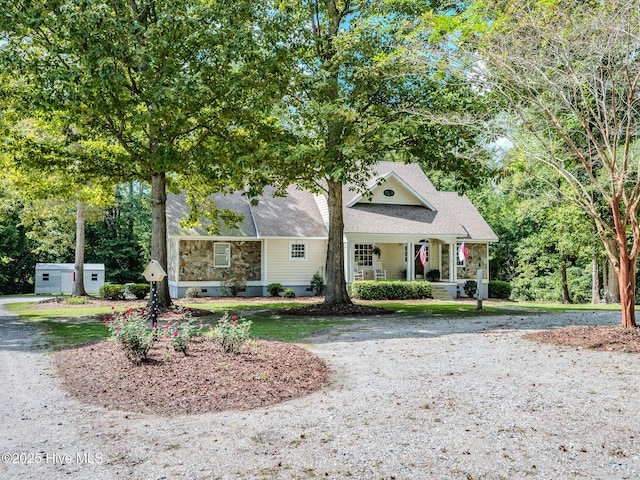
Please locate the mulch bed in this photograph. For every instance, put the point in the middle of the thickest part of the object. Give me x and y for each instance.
(595, 338)
(206, 380)
(322, 309)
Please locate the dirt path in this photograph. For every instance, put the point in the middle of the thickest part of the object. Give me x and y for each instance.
(422, 398)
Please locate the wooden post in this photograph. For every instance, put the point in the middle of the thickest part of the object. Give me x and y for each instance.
(479, 288)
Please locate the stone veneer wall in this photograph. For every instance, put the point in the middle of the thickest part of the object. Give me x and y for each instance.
(477, 252)
(444, 257)
(196, 260)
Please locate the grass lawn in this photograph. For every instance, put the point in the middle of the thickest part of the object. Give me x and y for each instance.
(67, 326)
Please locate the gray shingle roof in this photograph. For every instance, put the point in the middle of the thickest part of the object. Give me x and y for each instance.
(297, 214)
(177, 209)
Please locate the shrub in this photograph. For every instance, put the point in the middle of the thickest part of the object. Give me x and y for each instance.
(499, 289)
(75, 300)
(181, 328)
(317, 284)
(137, 290)
(232, 332)
(390, 290)
(112, 292)
(130, 329)
(274, 289)
(433, 275)
(193, 292)
(470, 288)
(289, 293)
(234, 283)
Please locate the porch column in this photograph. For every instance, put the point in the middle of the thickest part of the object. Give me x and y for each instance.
(409, 262)
(452, 262)
(348, 261)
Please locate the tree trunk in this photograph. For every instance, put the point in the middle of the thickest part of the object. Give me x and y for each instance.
(336, 289)
(78, 281)
(627, 282)
(612, 291)
(610, 275)
(159, 233)
(595, 281)
(566, 296)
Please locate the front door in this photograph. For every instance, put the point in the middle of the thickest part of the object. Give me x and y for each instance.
(418, 267)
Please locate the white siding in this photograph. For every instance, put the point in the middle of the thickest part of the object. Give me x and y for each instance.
(402, 195)
(434, 256)
(392, 259)
(60, 278)
(281, 269)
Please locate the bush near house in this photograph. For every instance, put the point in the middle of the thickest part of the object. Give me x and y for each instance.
(274, 289)
(137, 290)
(433, 275)
(317, 284)
(289, 293)
(112, 291)
(193, 292)
(499, 289)
(470, 288)
(390, 290)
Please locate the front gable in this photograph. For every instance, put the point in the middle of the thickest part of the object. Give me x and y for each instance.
(391, 189)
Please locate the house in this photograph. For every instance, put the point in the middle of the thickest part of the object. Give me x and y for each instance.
(284, 239)
(58, 278)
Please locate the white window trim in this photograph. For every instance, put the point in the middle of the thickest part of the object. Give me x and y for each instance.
(216, 255)
(298, 259)
(366, 250)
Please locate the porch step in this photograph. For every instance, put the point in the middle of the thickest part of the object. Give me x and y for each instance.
(438, 292)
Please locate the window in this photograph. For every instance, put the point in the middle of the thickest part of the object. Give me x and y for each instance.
(94, 277)
(363, 254)
(45, 277)
(221, 255)
(297, 251)
(388, 192)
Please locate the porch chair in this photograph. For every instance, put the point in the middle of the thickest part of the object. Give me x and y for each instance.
(378, 272)
(357, 273)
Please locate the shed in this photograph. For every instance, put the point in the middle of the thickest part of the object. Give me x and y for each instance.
(57, 278)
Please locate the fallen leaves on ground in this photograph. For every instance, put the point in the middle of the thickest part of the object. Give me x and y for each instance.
(616, 338)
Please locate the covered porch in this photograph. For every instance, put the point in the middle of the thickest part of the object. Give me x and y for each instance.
(401, 259)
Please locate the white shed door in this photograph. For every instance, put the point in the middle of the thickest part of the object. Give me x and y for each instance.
(66, 281)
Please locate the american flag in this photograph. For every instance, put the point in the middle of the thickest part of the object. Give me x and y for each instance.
(423, 254)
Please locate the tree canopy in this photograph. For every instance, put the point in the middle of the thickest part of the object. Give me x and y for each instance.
(171, 85)
(569, 72)
(356, 97)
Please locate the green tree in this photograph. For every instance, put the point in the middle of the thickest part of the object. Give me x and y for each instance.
(355, 98)
(171, 83)
(569, 71)
(17, 262)
(121, 238)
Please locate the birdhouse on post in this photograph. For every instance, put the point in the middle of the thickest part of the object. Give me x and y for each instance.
(154, 273)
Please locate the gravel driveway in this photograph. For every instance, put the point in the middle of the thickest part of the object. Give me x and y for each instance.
(420, 398)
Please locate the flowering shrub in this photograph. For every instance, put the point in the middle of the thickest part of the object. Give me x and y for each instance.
(232, 332)
(130, 329)
(181, 328)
